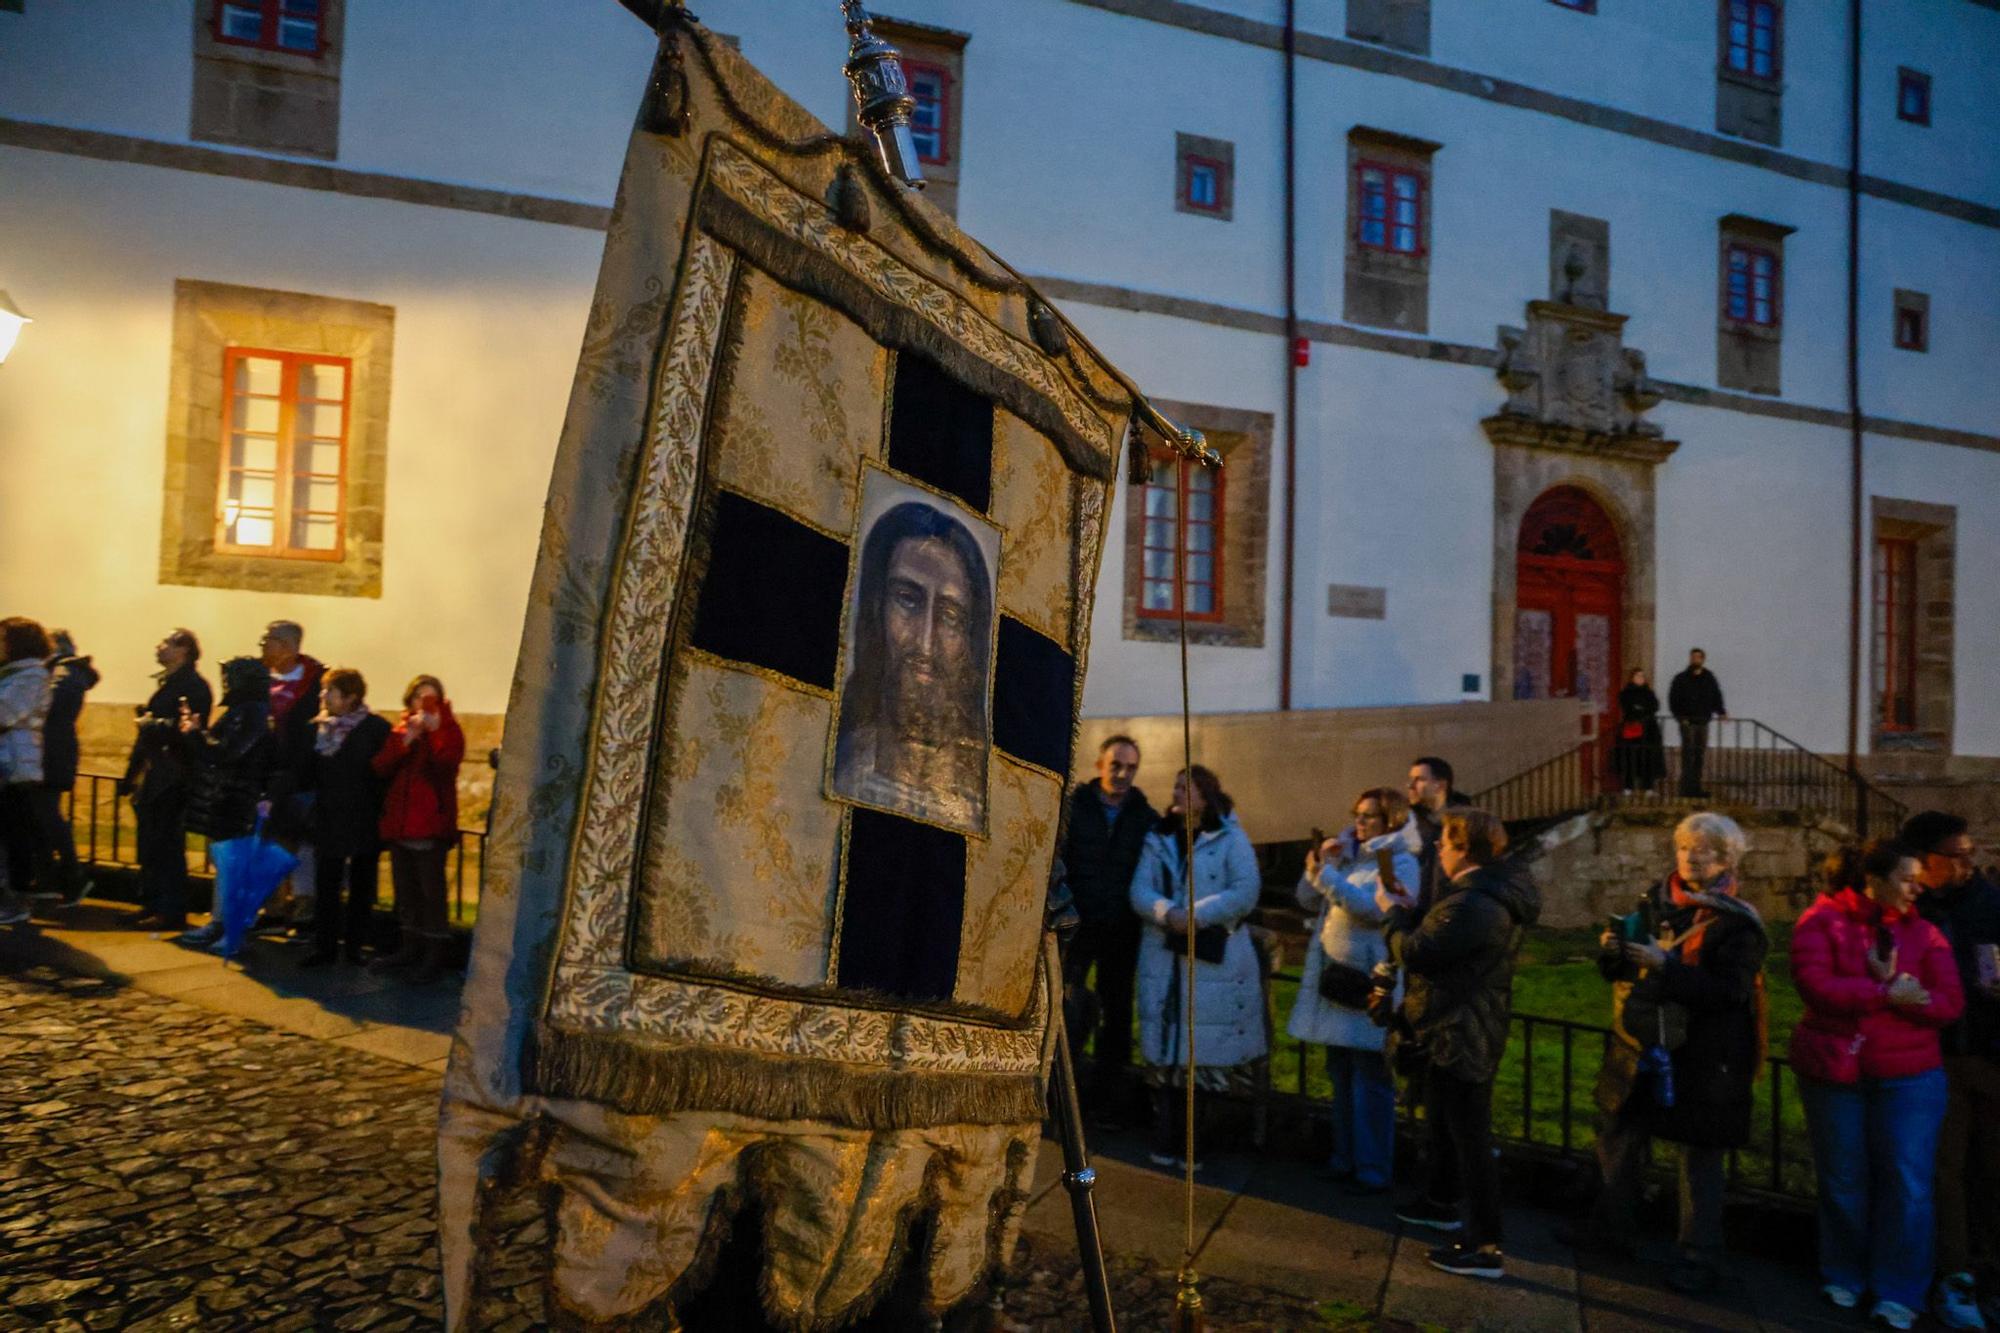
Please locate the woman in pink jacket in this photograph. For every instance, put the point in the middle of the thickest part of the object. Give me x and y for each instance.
(1878, 983)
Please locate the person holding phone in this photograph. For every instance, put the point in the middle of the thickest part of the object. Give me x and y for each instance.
(1377, 854)
(420, 824)
(1687, 974)
(1879, 984)
(1228, 985)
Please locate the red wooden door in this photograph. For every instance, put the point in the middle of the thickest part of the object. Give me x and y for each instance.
(1569, 596)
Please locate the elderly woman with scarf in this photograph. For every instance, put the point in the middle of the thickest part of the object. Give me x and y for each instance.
(1228, 982)
(1343, 875)
(1879, 983)
(346, 816)
(1687, 1040)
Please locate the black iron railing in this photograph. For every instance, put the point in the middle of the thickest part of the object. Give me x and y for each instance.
(106, 834)
(1746, 764)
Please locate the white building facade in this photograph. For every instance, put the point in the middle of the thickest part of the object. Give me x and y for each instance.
(309, 278)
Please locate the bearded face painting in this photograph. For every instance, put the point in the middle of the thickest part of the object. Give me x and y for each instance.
(914, 725)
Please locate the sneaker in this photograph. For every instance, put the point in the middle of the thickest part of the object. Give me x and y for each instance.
(1956, 1302)
(79, 888)
(14, 916)
(1423, 1213)
(1841, 1298)
(1468, 1262)
(207, 934)
(1891, 1315)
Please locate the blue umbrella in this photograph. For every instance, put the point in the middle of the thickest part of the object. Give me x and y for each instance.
(246, 871)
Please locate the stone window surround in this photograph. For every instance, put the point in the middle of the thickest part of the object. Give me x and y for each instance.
(210, 317)
(1934, 529)
(1912, 336)
(945, 48)
(1385, 288)
(1222, 154)
(1243, 438)
(1747, 105)
(254, 97)
(1748, 355)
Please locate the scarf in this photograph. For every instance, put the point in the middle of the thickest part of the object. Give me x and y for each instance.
(1689, 945)
(333, 730)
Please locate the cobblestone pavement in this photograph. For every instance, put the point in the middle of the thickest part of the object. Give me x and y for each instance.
(164, 1166)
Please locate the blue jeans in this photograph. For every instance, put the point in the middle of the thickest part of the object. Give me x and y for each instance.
(1874, 1149)
(1364, 1115)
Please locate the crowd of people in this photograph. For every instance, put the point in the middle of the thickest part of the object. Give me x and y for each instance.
(1417, 916)
(292, 753)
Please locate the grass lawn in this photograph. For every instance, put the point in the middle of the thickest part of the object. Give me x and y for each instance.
(1557, 979)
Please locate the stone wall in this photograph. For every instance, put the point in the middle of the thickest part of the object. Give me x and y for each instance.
(1593, 865)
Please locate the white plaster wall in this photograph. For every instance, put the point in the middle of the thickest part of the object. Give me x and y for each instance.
(121, 65)
(1957, 265)
(489, 315)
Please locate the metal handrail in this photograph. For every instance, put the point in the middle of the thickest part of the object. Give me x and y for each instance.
(103, 837)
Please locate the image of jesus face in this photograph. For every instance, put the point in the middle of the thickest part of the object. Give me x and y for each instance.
(912, 736)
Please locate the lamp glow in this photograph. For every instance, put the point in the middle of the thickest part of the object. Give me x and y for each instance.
(12, 321)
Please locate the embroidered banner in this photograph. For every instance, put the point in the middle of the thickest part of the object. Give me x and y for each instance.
(786, 750)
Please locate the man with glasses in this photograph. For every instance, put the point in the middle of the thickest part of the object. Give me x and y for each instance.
(1966, 907)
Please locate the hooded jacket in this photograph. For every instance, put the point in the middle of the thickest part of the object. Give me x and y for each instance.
(1850, 1031)
(1347, 928)
(70, 678)
(230, 763)
(1458, 960)
(24, 704)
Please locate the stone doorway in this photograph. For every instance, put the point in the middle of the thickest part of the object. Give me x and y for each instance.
(1569, 601)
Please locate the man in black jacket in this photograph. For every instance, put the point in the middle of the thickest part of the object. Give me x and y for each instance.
(1962, 903)
(1108, 819)
(156, 779)
(1431, 792)
(1695, 700)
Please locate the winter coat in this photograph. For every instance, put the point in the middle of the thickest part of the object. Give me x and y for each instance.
(70, 678)
(1850, 1031)
(229, 766)
(1639, 760)
(1430, 827)
(294, 705)
(1716, 1066)
(24, 706)
(1347, 927)
(1458, 960)
(1969, 916)
(347, 792)
(1100, 854)
(1228, 996)
(421, 803)
(156, 765)
(1695, 696)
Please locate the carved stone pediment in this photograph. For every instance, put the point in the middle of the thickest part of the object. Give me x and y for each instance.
(1573, 385)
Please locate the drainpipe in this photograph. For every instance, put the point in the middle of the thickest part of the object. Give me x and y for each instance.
(1855, 478)
(1291, 357)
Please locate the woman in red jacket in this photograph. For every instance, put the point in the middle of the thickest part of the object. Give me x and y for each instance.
(420, 822)
(1878, 983)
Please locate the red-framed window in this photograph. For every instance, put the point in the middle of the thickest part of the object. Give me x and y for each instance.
(1895, 657)
(283, 484)
(930, 123)
(1752, 285)
(1913, 96)
(1391, 215)
(292, 26)
(1205, 183)
(1182, 563)
(1752, 44)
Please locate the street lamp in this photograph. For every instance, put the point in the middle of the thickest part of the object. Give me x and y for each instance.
(11, 323)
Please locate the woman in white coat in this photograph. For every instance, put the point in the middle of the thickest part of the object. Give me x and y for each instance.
(1339, 887)
(1228, 993)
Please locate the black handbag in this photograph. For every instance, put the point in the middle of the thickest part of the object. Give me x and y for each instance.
(1340, 984)
(1210, 942)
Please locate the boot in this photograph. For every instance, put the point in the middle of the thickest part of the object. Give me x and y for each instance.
(409, 949)
(432, 965)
